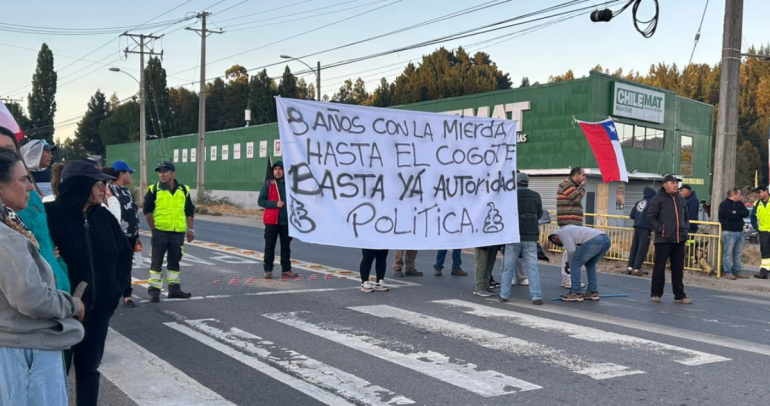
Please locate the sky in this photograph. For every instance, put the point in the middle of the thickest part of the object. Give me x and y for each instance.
(257, 32)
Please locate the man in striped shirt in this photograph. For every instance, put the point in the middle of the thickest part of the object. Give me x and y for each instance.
(569, 196)
(569, 209)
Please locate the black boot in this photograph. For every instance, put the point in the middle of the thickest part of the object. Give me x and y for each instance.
(154, 295)
(175, 292)
(762, 274)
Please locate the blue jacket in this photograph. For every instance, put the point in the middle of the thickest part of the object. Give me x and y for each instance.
(35, 219)
(693, 207)
(639, 212)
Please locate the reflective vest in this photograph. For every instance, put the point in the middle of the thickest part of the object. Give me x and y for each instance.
(169, 209)
(763, 215)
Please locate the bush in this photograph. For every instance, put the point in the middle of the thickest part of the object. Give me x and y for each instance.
(206, 198)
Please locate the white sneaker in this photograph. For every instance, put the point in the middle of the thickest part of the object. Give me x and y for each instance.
(524, 282)
(568, 284)
(380, 287)
(367, 287)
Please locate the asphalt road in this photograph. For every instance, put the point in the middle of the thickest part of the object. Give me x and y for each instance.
(247, 341)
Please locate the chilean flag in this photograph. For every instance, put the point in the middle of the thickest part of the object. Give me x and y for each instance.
(7, 121)
(603, 138)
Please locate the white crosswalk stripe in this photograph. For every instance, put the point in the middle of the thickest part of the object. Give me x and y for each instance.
(500, 342)
(468, 376)
(681, 355)
(341, 383)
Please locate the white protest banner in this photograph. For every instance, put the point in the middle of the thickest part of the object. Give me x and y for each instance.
(369, 177)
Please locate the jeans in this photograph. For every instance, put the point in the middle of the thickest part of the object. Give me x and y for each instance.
(588, 254)
(457, 259)
(663, 252)
(272, 233)
(379, 258)
(86, 356)
(32, 377)
(528, 251)
(732, 247)
(640, 245)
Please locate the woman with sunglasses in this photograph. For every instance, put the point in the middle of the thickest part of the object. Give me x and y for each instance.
(96, 252)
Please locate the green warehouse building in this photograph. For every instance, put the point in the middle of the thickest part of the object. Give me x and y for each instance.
(660, 133)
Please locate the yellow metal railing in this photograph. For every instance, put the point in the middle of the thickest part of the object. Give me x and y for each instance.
(703, 250)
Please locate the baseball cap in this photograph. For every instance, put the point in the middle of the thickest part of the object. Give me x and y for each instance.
(83, 167)
(670, 178)
(686, 187)
(165, 166)
(120, 166)
(522, 178)
(760, 188)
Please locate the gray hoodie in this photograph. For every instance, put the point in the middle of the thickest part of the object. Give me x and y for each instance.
(33, 314)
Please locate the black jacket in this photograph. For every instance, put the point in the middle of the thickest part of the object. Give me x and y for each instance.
(93, 247)
(668, 216)
(641, 208)
(693, 207)
(530, 211)
(731, 215)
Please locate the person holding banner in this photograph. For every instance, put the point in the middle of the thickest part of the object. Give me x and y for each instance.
(379, 258)
(272, 198)
(530, 210)
(485, 263)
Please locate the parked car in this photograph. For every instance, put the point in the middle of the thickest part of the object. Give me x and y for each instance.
(750, 235)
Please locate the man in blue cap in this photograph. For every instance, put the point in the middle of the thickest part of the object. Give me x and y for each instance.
(169, 211)
(129, 213)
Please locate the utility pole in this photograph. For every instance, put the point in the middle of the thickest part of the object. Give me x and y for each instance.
(727, 119)
(318, 80)
(203, 33)
(144, 41)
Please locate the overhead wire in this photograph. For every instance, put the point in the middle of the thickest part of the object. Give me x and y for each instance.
(301, 18)
(697, 34)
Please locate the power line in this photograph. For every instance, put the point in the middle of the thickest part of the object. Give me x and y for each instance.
(17, 91)
(303, 18)
(458, 13)
(267, 11)
(298, 35)
(697, 34)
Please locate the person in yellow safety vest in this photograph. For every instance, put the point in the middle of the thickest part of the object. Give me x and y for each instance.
(169, 211)
(760, 220)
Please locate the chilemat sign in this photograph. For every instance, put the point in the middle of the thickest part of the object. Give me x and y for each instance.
(638, 103)
(368, 177)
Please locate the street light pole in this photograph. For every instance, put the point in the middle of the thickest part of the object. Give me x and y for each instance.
(316, 71)
(142, 124)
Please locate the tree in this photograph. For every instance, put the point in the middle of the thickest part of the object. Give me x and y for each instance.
(746, 165)
(87, 137)
(262, 91)
(214, 105)
(42, 100)
(235, 97)
(383, 96)
(524, 82)
(288, 87)
(305, 91)
(122, 125)
(158, 107)
(184, 104)
(562, 78)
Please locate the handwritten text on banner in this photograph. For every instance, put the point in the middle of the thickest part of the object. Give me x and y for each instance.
(369, 177)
